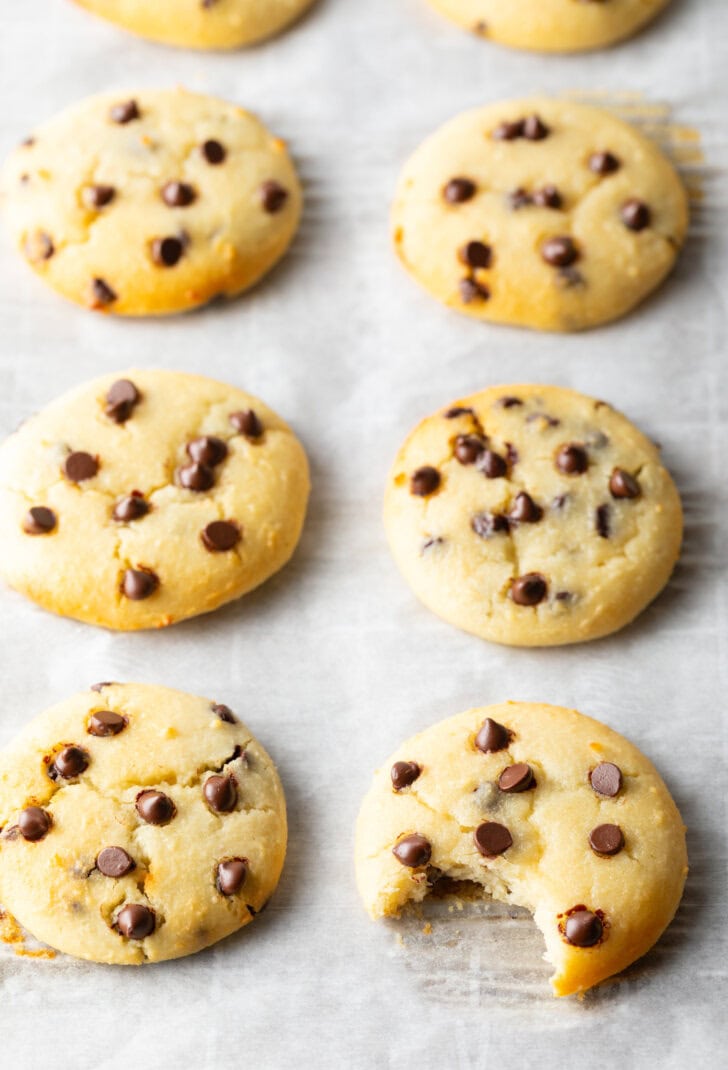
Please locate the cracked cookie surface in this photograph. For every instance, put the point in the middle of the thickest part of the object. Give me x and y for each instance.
(552, 25)
(532, 515)
(151, 202)
(138, 824)
(218, 24)
(145, 497)
(539, 806)
(539, 213)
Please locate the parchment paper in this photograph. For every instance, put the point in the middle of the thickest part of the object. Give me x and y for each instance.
(333, 662)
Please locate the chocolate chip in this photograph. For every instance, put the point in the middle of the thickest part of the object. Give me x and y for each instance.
(124, 112)
(178, 194)
(457, 410)
(603, 163)
(207, 450)
(486, 525)
(468, 448)
(413, 851)
(508, 131)
(606, 779)
(601, 521)
(606, 840)
(114, 862)
(534, 129)
(213, 151)
(492, 839)
(121, 398)
(403, 774)
(105, 722)
(195, 477)
(491, 464)
(572, 459)
(568, 277)
(34, 823)
(135, 921)
(459, 190)
(425, 481)
(139, 583)
(224, 713)
(519, 198)
(476, 254)
(38, 247)
(512, 454)
(247, 423)
(98, 196)
(559, 251)
(231, 875)
(547, 197)
(272, 196)
(220, 536)
(550, 421)
(471, 291)
(167, 251)
(155, 807)
(39, 520)
(583, 928)
(524, 510)
(132, 507)
(516, 778)
(101, 293)
(70, 762)
(80, 466)
(635, 214)
(101, 686)
(492, 736)
(623, 485)
(221, 793)
(529, 590)
(509, 402)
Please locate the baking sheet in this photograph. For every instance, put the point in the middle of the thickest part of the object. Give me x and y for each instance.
(333, 662)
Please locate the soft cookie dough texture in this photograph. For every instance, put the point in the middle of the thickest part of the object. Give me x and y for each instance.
(540, 213)
(533, 516)
(552, 25)
(151, 202)
(138, 513)
(193, 866)
(445, 787)
(219, 24)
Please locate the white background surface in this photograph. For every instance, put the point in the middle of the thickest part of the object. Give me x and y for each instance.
(333, 662)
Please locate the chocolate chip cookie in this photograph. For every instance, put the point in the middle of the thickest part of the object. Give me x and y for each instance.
(145, 497)
(218, 24)
(552, 25)
(533, 516)
(540, 213)
(538, 806)
(151, 202)
(138, 824)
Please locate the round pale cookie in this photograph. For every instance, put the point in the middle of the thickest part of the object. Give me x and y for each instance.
(142, 498)
(540, 213)
(540, 807)
(138, 824)
(151, 202)
(552, 25)
(217, 24)
(532, 516)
